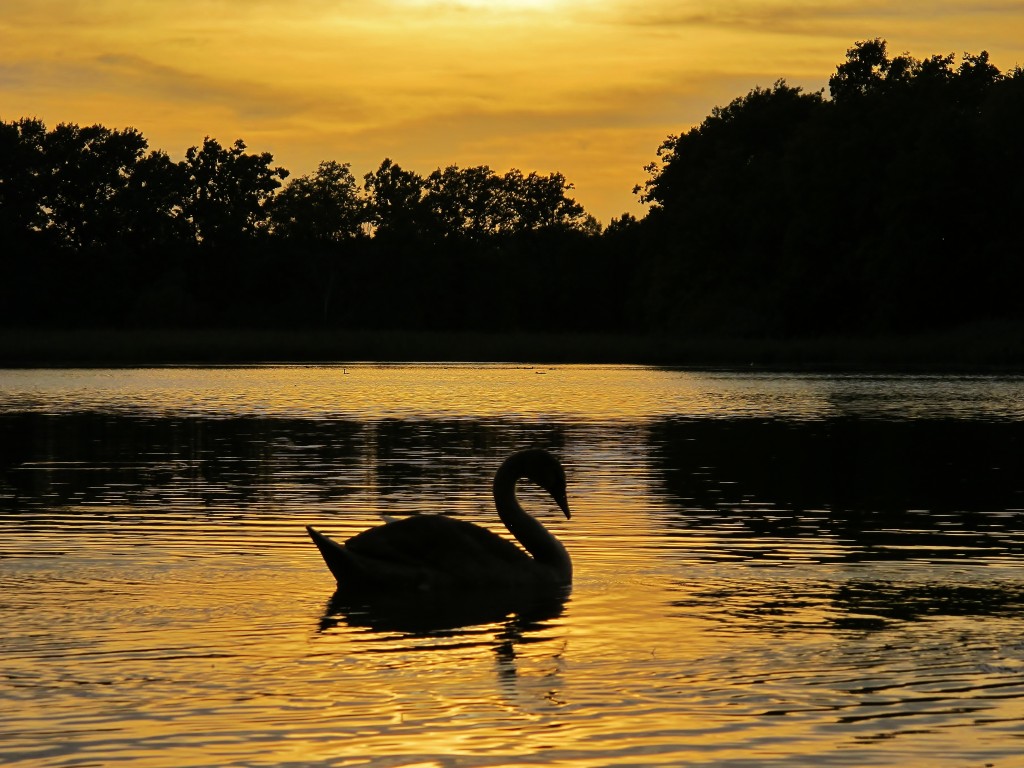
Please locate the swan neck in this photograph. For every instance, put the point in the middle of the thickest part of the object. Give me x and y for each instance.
(528, 531)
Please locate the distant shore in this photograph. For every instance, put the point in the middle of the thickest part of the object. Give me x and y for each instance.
(996, 348)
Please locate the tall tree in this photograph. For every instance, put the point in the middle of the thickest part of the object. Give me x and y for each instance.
(395, 201)
(465, 202)
(784, 212)
(325, 206)
(228, 190)
(23, 172)
(322, 219)
(89, 173)
(537, 201)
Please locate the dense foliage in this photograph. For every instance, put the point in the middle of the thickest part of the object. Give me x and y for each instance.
(892, 205)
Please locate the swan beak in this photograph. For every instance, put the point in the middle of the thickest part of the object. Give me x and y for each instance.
(563, 504)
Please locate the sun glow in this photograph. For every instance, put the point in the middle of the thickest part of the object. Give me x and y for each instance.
(497, 6)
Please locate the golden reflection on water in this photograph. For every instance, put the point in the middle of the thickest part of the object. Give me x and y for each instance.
(388, 391)
(161, 605)
(592, 393)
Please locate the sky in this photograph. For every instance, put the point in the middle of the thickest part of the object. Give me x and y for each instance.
(588, 89)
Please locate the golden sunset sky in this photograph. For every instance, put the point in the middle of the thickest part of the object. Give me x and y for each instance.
(586, 88)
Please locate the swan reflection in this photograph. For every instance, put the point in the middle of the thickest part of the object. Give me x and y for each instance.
(422, 635)
(426, 612)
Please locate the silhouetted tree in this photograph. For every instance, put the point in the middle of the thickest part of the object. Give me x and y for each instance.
(321, 219)
(539, 202)
(466, 202)
(721, 197)
(326, 206)
(228, 190)
(23, 172)
(865, 70)
(88, 188)
(70, 184)
(785, 212)
(395, 201)
(476, 203)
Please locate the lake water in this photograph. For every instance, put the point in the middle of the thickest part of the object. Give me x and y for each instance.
(770, 570)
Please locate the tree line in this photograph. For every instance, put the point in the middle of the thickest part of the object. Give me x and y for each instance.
(890, 205)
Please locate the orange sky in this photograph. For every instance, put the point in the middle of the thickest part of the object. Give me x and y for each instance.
(586, 88)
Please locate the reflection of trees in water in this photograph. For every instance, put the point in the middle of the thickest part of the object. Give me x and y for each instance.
(84, 456)
(849, 466)
(886, 485)
(854, 604)
(49, 460)
(911, 602)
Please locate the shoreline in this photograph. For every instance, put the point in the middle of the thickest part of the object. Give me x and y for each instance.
(975, 349)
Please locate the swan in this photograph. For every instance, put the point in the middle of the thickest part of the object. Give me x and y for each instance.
(435, 552)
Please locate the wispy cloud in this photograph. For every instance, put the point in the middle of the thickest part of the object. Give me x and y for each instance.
(248, 100)
(810, 15)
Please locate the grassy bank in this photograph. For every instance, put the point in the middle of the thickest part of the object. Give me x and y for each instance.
(977, 348)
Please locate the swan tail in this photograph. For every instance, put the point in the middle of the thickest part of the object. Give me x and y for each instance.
(333, 553)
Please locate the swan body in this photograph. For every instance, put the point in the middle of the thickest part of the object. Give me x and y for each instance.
(431, 552)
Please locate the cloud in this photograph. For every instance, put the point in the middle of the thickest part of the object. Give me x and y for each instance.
(132, 75)
(170, 94)
(805, 15)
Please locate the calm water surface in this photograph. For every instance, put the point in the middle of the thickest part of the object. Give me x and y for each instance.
(776, 570)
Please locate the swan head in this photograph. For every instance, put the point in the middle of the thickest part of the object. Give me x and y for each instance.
(545, 470)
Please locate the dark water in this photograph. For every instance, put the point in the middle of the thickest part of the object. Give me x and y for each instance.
(770, 569)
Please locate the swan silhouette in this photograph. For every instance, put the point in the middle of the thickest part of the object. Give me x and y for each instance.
(435, 552)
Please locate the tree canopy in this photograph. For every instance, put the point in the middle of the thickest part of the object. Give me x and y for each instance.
(890, 206)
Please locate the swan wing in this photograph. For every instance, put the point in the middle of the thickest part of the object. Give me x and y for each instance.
(434, 552)
(435, 541)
